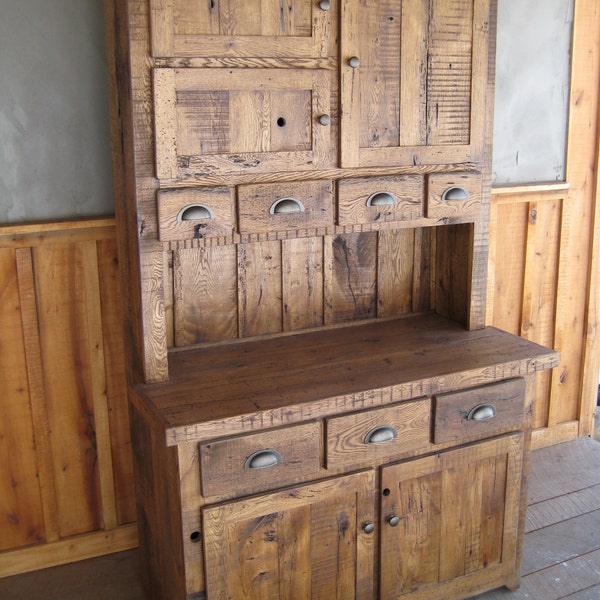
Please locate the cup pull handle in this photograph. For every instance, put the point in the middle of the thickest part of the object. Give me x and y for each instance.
(382, 199)
(381, 434)
(195, 212)
(481, 412)
(263, 459)
(456, 193)
(286, 206)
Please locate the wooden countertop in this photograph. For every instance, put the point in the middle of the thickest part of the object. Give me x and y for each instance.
(251, 385)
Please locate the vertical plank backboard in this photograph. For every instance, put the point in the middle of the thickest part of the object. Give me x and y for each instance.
(205, 294)
(302, 280)
(354, 277)
(259, 288)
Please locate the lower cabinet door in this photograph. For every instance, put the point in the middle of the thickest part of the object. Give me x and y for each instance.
(313, 541)
(449, 522)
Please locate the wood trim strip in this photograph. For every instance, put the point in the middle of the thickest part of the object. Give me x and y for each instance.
(37, 393)
(68, 550)
(557, 434)
(99, 386)
(38, 234)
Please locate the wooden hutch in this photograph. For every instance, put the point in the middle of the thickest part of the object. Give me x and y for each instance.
(317, 408)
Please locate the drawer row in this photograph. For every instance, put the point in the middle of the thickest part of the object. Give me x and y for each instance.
(271, 459)
(196, 213)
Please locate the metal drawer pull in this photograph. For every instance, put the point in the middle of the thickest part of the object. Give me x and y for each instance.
(481, 412)
(286, 206)
(393, 520)
(455, 193)
(383, 433)
(263, 459)
(382, 199)
(193, 212)
(368, 527)
(354, 62)
(325, 5)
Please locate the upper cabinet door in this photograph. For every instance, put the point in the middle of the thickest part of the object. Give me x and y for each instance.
(240, 28)
(414, 78)
(235, 121)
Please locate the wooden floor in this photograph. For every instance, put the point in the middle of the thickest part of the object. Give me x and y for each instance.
(561, 556)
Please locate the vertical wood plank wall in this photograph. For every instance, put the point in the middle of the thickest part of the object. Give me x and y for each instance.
(66, 488)
(66, 481)
(544, 265)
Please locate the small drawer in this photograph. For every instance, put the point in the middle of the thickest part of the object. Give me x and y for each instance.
(260, 461)
(279, 207)
(479, 412)
(380, 199)
(379, 434)
(195, 213)
(453, 195)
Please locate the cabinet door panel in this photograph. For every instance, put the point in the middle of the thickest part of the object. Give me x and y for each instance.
(248, 28)
(302, 543)
(416, 94)
(458, 517)
(233, 121)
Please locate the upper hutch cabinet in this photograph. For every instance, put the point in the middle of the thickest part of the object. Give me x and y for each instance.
(254, 28)
(231, 121)
(413, 77)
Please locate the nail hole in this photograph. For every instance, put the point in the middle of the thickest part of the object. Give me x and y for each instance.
(386, 492)
(195, 537)
(281, 122)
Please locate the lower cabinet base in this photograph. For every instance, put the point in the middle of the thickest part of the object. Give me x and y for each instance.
(415, 489)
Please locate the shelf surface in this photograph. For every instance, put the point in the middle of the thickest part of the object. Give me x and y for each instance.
(250, 385)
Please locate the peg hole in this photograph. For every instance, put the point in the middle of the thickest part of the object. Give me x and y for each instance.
(386, 492)
(195, 537)
(281, 122)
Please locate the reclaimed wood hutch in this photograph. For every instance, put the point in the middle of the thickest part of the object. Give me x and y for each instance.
(317, 408)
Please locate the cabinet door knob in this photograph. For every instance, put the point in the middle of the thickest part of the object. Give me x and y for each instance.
(393, 520)
(481, 412)
(354, 62)
(325, 5)
(383, 433)
(368, 527)
(325, 119)
(263, 459)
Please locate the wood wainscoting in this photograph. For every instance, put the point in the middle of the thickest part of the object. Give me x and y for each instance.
(544, 269)
(66, 480)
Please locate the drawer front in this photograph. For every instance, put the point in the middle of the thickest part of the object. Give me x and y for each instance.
(378, 435)
(453, 195)
(261, 461)
(195, 214)
(287, 206)
(479, 412)
(380, 199)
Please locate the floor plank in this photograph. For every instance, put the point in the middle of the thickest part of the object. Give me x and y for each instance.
(562, 508)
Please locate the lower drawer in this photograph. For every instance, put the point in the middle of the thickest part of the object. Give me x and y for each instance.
(260, 461)
(378, 434)
(479, 412)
